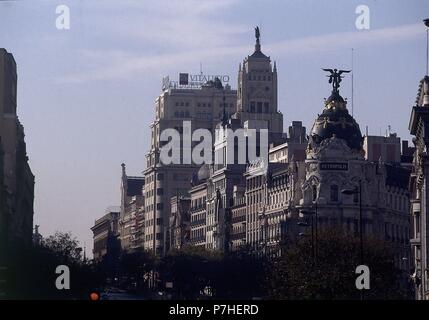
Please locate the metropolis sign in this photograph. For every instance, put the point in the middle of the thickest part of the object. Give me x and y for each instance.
(192, 81)
(338, 166)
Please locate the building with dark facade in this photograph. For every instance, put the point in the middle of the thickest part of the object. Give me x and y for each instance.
(16, 178)
(106, 235)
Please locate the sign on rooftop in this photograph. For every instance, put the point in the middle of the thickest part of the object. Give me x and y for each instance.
(192, 81)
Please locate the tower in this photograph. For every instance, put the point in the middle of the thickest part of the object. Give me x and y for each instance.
(257, 89)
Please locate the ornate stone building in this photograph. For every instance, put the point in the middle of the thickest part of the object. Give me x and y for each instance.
(419, 186)
(198, 209)
(257, 90)
(238, 219)
(132, 216)
(180, 227)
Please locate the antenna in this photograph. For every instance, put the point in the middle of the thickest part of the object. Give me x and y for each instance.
(352, 83)
(201, 68)
(427, 51)
(426, 22)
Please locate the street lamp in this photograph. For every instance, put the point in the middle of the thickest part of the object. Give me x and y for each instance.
(306, 224)
(358, 190)
(426, 22)
(314, 237)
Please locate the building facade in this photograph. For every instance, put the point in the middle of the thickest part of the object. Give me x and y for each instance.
(419, 186)
(132, 216)
(203, 109)
(198, 208)
(238, 219)
(17, 189)
(106, 234)
(180, 224)
(386, 149)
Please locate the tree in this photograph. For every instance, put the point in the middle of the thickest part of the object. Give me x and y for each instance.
(31, 270)
(134, 266)
(190, 269)
(64, 245)
(239, 275)
(331, 273)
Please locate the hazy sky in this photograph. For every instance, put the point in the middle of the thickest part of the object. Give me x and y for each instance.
(86, 95)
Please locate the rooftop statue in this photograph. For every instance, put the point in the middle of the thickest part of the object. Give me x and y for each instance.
(335, 77)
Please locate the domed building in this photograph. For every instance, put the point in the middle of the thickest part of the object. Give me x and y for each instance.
(337, 176)
(335, 120)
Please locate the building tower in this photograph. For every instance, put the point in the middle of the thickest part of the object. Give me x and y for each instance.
(257, 90)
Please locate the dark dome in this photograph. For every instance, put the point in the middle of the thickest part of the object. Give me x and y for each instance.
(336, 120)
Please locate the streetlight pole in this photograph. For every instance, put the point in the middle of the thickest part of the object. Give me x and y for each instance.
(315, 257)
(360, 222)
(358, 190)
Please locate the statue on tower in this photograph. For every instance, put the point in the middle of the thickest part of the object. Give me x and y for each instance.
(257, 36)
(257, 33)
(335, 77)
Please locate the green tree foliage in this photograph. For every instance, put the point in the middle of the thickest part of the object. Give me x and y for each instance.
(331, 273)
(31, 273)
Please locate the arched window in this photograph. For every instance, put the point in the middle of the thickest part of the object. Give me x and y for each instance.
(334, 193)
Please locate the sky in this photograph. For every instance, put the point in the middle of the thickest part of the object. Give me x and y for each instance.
(86, 94)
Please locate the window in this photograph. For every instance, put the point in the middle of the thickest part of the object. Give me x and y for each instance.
(252, 106)
(159, 206)
(334, 193)
(160, 176)
(266, 107)
(259, 107)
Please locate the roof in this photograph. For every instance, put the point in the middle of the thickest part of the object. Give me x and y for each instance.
(134, 186)
(336, 120)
